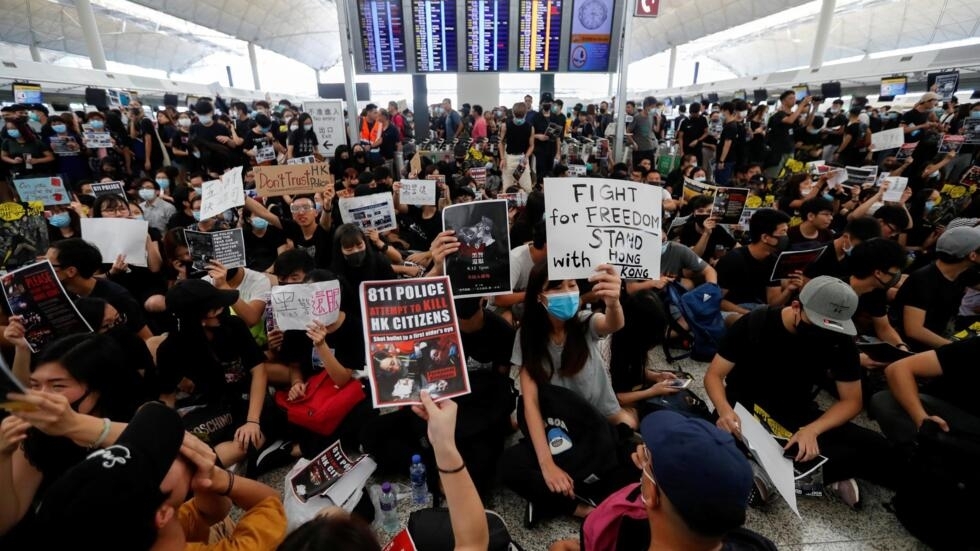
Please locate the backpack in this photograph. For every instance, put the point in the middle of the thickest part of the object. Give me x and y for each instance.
(701, 309)
(937, 499)
(324, 406)
(620, 523)
(432, 530)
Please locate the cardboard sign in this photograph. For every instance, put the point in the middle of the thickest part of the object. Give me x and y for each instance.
(295, 306)
(49, 190)
(109, 188)
(412, 340)
(117, 236)
(729, 204)
(896, 187)
(273, 181)
(888, 139)
(23, 234)
(217, 196)
(593, 221)
(481, 267)
(227, 247)
(328, 123)
(417, 192)
(793, 261)
(35, 293)
(416, 164)
(375, 211)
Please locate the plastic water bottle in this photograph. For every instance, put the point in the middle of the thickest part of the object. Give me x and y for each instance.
(420, 493)
(389, 509)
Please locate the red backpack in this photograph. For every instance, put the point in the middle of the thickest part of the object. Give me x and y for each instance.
(324, 406)
(600, 531)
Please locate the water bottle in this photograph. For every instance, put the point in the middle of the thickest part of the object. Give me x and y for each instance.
(389, 509)
(420, 493)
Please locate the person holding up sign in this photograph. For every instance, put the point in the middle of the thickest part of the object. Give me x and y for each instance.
(24, 152)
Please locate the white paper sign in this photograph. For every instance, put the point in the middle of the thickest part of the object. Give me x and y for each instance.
(116, 236)
(217, 196)
(836, 177)
(577, 170)
(295, 306)
(328, 123)
(376, 211)
(593, 221)
(896, 187)
(887, 139)
(308, 160)
(417, 192)
(97, 140)
(769, 454)
(265, 154)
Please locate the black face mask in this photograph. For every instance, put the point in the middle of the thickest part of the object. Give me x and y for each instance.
(356, 260)
(809, 331)
(889, 283)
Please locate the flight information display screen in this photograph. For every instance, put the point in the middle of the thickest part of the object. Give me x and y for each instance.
(591, 35)
(435, 35)
(382, 35)
(487, 28)
(540, 35)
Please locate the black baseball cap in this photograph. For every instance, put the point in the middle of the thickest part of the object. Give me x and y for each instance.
(195, 295)
(121, 483)
(547, 97)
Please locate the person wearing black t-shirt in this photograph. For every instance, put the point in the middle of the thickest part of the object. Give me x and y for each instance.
(259, 144)
(703, 234)
(311, 227)
(949, 400)
(212, 139)
(814, 231)
(546, 139)
(833, 129)
(744, 273)
(263, 243)
(730, 152)
(834, 261)
(389, 137)
(920, 120)
(692, 132)
(771, 359)
(145, 145)
(853, 149)
(781, 129)
(928, 300)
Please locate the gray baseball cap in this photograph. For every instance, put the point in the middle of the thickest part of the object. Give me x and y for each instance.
(830, 304)
(959, 242)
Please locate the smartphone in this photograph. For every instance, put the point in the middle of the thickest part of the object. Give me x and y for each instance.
(679, 383)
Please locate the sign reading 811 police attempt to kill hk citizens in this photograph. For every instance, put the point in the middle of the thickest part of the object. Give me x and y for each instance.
(272, 181)
(593, 221)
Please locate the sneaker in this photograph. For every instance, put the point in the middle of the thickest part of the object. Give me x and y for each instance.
(275, 455)
(763, 489)
(848, 492)
(529, 518)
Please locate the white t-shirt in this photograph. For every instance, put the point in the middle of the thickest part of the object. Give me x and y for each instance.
(521, 264)
(254, 286)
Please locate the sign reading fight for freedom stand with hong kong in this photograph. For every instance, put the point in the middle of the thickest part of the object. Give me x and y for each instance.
(272, 181)
(593, 221)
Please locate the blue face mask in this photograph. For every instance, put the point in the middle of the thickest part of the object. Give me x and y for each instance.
(138, 217)
(96, 124)
(265, 129)
(930, 205)
(197, 215)
(34, 116)
(204, 119)
(518, 122)
(260, 223)
(13, 133)
(163, 183)
(828, 197)
(975, 114)
(59, 128)
(663, 248)
(60, 220)
(563, 305)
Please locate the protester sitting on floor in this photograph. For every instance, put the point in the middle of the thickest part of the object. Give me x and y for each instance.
(702, 233)
(817, 214)
(83, 373)
(813, 334)
(522, 259)
(143, 480)
(834, 261)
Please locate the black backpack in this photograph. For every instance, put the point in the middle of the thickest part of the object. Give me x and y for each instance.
(432, 530)
(937, 501)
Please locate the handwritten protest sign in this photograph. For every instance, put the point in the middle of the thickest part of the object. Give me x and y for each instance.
(417, 192)
(117, 236)
(272, 181)
(295, 306)
(413, 341)
(593, 221)
(217, 196)
(375, 211)
(23, 234)
(109, 188)
(226, 247)
(328, 123)
(887, 139)
(35, 293)
(49, 190)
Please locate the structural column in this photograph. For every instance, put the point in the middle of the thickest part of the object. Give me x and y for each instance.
(420, 107)
(547, 85)
(93, 43)
(255, 66)
(823, 31)
(672, 66)
(347, 61)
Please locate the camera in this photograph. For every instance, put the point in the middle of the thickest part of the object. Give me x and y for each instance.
(818, 99)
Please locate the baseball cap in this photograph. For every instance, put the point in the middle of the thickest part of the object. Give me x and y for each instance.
(121, 482)
(195, 295)
(547, 97)
(959, 242)
(700, 470)
(929, 96)
(830, 304)
(962, 222)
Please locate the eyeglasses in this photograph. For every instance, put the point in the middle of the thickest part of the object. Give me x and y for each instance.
(120, 319)
(300, 208)
(118, 210)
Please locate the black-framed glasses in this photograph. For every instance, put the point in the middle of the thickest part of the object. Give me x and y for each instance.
(117, 321)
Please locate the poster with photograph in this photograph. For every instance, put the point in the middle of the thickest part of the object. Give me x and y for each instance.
(375, 211)
(49, 190)
(307, 160)
(971, 130)
(693, 188)
(295, 306)
(514, 200)
(227, 247)
(482, 265)
(417, 192)
(412, 340)
(35, 293)
(946, 84)
(593, 221)
(327, 472)
(951, 143)
(96, 139)
(794, 261)
(23, 234)
(861, 175)
(896, 187)
(905, 151)
(729, 204)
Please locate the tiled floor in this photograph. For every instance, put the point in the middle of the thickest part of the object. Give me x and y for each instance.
(826, 525)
